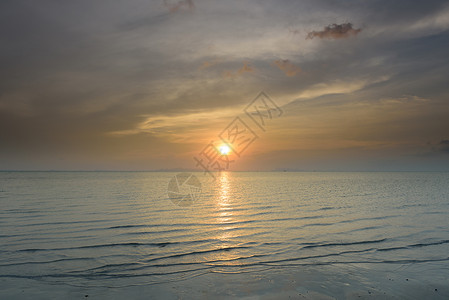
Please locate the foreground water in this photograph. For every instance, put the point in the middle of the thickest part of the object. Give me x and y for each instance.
(264, 235)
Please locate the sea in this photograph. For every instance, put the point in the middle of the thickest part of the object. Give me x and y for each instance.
(229, 235)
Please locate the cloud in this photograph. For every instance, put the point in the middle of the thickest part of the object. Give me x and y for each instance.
(335, 87)
(404, 99)
(334, 31)
(183, 4)
(294, 31)
(210, 63)
(439, 20)
(245, 69)
(149, 76)
(289, 68)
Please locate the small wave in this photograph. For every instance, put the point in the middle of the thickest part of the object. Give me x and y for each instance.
(319, 245)
(357, 195)
(310, 217)
(368, 219)
(400, 261)
(238, 222)
(288, 260)
(22, 211)
(99, 246)
(262, 213)
(100, 275)
(366, 228)
(111, 266)
(317, 224)
(322, 255)
(415, 246)
(435, 213)
(130, 226)
(48, 262)
(197, 252)
(139, 266)
(9, 235)
(153, 232)
(412, 205)
(66, 223)
(216, 268)
(327, 208)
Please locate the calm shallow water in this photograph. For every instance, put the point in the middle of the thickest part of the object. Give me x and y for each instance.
(338, 234)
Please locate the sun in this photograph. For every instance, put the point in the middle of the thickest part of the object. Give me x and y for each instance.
(224, 149)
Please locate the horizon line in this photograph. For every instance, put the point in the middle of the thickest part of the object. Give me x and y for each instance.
(237, 171)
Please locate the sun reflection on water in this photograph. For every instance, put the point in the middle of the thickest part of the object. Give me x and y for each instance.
(225, 216)
(224, 203)
(226, 219)
(224, 188)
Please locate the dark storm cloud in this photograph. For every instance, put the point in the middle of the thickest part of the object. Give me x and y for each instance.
(335, 31)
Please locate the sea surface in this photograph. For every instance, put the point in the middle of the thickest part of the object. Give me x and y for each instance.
(260, 235)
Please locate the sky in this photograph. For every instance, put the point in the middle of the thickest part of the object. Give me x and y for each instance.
(354, 85)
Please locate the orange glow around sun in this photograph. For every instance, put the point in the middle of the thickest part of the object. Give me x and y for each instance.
(224, 149)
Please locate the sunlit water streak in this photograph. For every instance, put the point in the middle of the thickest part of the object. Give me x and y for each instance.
(98, 229)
